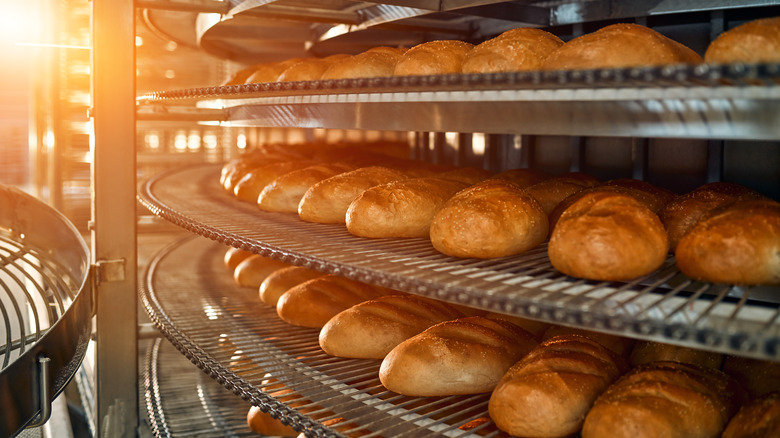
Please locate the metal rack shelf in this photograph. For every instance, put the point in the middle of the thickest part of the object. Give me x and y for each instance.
(45, 308)
(664, 306)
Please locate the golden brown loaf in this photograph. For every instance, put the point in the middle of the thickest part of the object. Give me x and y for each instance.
(608, 236)
(371, 329)
(532, 326)
(668, 399)
(241, 76)
(619, 345)
(491, 219)
(463, 356)
(681, 214)
(433, 58)
(552, 191)
(253, 182)
(270, 71)
(757, 419)
(328, 200)
(375, 62)
(522, 178)
(284, 193)
(757, 376)
(254, 269)
(738, 243)
(620, 45)
(314, 302)
(646, 352)
(514, 50)
(234, 256)
(280, 281)
(309, 69)
(755, 41)
(548, 392)
(264, 424)
(400, 208)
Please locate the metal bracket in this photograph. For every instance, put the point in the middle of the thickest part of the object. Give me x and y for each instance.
(44, 395)
(109, 270)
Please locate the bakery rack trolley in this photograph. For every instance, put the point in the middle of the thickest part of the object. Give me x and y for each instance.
(45, 307)
(701, 103)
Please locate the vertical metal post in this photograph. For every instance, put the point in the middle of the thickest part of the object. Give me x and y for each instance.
(113, 223)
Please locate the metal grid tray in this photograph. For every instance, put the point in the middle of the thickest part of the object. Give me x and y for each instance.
(45, 308)
(665, 306)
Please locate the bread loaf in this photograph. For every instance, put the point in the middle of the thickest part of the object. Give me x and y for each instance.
(757, 376)
(532, 326)
(400, 208)
(234, 256)
(264, 424)
(369, 330)
(620, 345)
(549, 391)
(646, 352)
(284, 193)
(433, 58)
(759, 418)
(522, 178)
(241, 76)
(608, 236)
(251, 271)
(620, 45)
(514, 50)
(328, 200)
(494, 218)
(314, 302)
(270, 71)
(309, 69)
(737, 243)
(373, 63)
(681, 214)
(462, 356)
(552, 191)
(668, 399)
(754, 41)
(280, 281)
(253, 182)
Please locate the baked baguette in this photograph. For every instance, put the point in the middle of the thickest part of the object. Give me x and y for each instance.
(251, 271)
(270, 71)
(754, 41)
(737, 243)
(369, 330)
(433, 58)
(620, 45)
(647, 351)
(373, 63)
(328, 200)
(620, 345)
(519, 49)
(668, 399)
(532, 326)
(552, 191)
(314, 302)
(234, 256)
(463, 356)
(253, 182)
(284, 193)
(608, 236)
(549, 391)
(280, 281)
(493, 218)
(309, 69)
(400, 208)
(681, 214)
(759, 418)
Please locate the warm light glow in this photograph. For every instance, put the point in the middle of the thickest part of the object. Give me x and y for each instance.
(180, 141)
(139, 41)
(241, 141)
(478, 144)
(152, 141)
(210, 141)
(193, 141)
(19, 23)
(170, 74)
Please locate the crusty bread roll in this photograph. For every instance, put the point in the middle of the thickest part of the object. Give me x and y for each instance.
(314, 302)
(233, 170)
(759, 418)
(608, 236)
(264, 424)
(270, 71)
(401, 208)
(234, 256)
(668, 399)
(493, 218)
(328, 200)
(251, 271)
(463, 356)
(737, 243)
(309, 69)
(519, 49)
(284, 193)
(550, 192)
(253, 182)
(468, 175)
(620, 45)
(647, 351)
(371, 329)
(242, 75)
(620, 345)
(681, 214)
(433, 58)
(757, 376)
(549, 391)
(373, 63)
(280, 281)
(754, 41)
(522, 178)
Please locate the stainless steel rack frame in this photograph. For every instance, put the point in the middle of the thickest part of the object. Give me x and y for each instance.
(45, 308)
